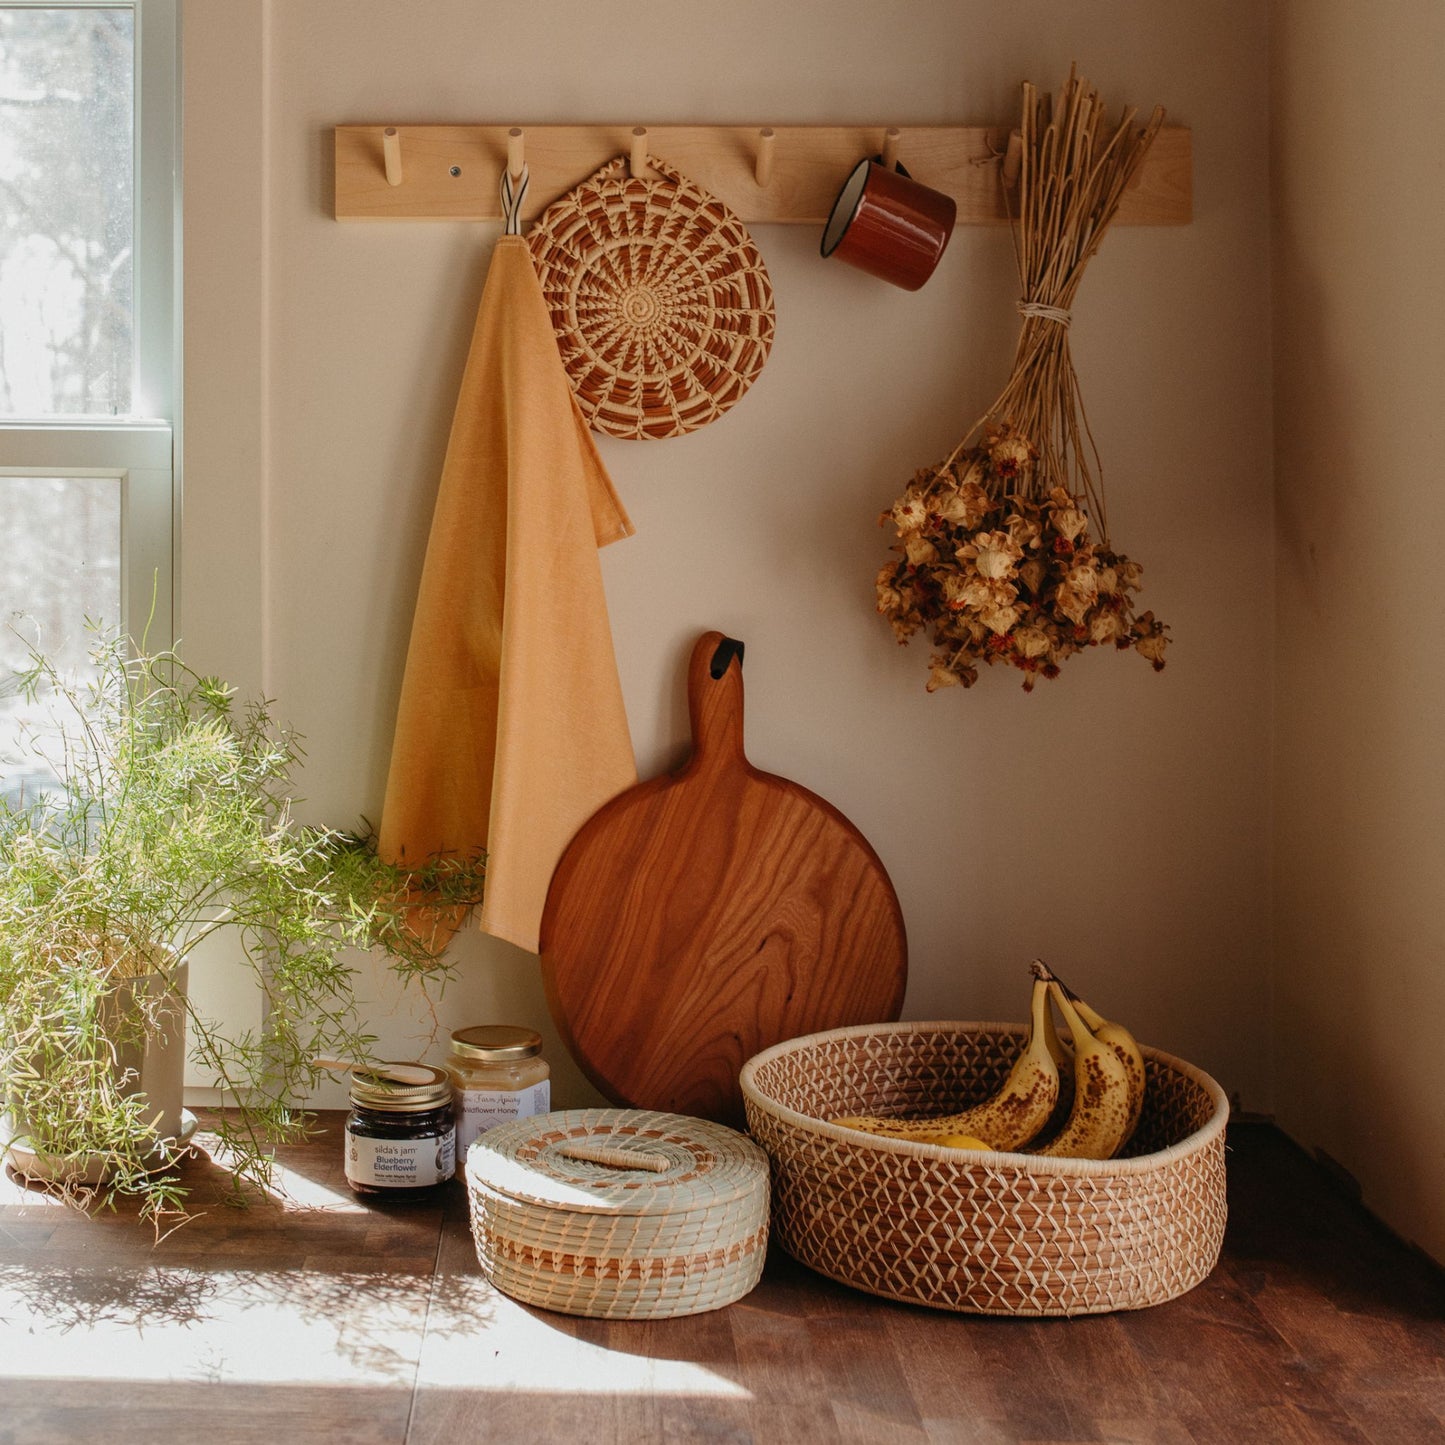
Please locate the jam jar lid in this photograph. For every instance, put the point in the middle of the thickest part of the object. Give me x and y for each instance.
(496, 1043)
(372, 1091)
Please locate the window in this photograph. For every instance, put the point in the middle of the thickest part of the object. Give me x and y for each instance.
(87, 328)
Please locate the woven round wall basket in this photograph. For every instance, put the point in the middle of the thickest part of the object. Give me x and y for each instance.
(602, 1235)
(993, 1234)
(659, 298)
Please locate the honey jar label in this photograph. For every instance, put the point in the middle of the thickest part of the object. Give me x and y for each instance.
(481, 1109)
(400, 1163)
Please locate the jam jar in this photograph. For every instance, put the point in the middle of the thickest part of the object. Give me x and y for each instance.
(400, 1137)
(498, 1073)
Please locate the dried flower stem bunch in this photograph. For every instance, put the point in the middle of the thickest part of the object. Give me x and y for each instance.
(1003, 546)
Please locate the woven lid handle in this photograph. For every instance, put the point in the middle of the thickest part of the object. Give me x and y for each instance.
(615, 1158)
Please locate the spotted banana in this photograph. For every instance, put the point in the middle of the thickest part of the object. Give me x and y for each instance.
(1107, 1032)
(1098, 1123)
(1008, 1120)
(1123, 1043)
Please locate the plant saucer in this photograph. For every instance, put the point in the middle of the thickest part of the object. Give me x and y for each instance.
(94, 1168)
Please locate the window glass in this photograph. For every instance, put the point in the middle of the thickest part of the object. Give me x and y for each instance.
(62, 567)
(67, 188)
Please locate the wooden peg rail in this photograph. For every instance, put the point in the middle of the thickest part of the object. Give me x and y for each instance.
(787, 174)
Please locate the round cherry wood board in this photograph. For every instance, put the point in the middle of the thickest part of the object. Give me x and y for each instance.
(708, 914)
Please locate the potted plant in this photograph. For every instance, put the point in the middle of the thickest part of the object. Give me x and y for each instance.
(171, 822)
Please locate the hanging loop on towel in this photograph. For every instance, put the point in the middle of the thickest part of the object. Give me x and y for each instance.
(514, 192)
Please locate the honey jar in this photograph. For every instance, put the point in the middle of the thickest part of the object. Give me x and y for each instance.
(498, 1073)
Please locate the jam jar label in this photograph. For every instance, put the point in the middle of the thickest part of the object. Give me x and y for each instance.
(400, 1163)
(481, 1109)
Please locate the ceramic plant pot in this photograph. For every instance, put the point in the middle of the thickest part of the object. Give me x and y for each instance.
(145, 1020)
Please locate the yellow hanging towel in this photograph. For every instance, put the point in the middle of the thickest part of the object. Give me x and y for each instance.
(510, 732)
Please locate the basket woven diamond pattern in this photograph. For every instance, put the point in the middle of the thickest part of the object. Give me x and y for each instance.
(661, 303)
(590, 1238)
(995, 1234)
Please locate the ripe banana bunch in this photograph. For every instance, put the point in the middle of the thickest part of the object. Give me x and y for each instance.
(1081, 1103)
(1011, 1117)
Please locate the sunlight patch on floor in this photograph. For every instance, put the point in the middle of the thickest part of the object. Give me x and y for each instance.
(308, 1327)
(293, 1326)
(478, 1339)
(16, 1193)
(293, 1190)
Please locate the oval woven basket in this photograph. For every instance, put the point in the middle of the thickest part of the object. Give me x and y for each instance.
(994, 1234)
(661, 303)
(592, 1238)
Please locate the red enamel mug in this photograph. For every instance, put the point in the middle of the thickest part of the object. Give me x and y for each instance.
(886, 223)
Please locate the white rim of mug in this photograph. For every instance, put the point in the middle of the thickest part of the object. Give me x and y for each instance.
(849, 200)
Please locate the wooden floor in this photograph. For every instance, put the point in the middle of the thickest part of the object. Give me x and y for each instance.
(315, 1319)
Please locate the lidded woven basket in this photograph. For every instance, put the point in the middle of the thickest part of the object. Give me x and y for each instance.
(983, 1233)
(592, 1238)
(660, 301)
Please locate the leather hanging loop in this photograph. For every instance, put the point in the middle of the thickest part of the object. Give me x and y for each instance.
(723, 654)
(514, 192)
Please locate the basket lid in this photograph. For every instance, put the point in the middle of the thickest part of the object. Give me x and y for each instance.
(659, 298)
(693, 1163)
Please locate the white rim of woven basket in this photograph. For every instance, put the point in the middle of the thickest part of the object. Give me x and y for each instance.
(1037, 1163)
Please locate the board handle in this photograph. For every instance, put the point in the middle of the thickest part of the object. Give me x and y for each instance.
(715, 700)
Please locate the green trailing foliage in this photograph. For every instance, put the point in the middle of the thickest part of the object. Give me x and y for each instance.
(172, 823)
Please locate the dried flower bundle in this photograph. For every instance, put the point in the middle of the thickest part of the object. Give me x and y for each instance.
(1002, 576)
(1003, 547)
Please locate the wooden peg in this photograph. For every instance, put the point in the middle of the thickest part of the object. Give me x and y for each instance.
(516, 152)
(891, 137)
(638, 165)
(1013, 159)
(391, 151)
(763, 164)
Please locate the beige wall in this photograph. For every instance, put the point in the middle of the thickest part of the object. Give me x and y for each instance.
(1360, 351)
(1116, 821)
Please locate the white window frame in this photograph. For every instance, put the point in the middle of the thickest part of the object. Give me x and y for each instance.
(139, 450)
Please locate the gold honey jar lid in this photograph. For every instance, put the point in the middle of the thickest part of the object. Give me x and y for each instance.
(496, 1043)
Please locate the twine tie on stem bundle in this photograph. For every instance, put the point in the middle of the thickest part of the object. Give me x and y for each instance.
(1048, 313)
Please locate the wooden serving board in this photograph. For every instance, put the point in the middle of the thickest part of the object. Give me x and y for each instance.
(702, 916)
